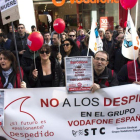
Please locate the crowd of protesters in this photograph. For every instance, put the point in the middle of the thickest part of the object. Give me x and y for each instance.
(111, 68)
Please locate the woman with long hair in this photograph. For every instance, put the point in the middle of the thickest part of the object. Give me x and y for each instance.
(48, 72)
(69, 49)
(9, 71)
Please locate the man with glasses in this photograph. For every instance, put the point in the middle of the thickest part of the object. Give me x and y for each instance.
(103, 76)
(72, 35)
(21, 40)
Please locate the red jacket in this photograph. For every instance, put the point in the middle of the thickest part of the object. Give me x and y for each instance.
(17, 81)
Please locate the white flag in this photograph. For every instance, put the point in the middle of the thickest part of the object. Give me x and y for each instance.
(95, 42)
(130, 46)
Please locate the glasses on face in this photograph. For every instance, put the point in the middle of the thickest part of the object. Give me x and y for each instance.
(71, 35)
(66, 44)
(42, 52)
(20, 27)
(101, 59)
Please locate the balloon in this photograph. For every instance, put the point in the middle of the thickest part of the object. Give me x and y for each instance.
(35, 41)
(125, 24)
(59, 25)
(128, 4)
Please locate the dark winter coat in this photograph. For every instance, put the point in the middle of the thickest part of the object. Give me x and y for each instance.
(27, 61)
(120, 60)
(21, 44)
(110, 51)
(107, 78)
(57, 74)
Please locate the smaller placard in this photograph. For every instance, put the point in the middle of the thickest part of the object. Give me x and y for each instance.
(78, 74)
(9, 11)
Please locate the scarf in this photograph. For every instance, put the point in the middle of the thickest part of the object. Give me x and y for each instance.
(6, 76)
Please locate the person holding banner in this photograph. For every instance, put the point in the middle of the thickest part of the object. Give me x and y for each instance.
(47, 72)
(9, 72)
(127, 73)
(103, 76)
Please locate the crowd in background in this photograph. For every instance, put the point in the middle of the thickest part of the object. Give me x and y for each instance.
(48, 69)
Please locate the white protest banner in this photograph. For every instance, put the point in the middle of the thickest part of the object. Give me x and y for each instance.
(1, 108)
(50, 113)
(78, 74)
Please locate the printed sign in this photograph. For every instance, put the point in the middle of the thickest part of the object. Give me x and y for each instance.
(9, 10)
(7, 4)
(79, 74)
(1, 108)
(107, 23)
(50, 113)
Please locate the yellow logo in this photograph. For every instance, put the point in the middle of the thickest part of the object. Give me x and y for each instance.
(95, 48)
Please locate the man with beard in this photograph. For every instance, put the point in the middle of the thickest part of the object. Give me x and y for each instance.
(21, 40)
(120, 60)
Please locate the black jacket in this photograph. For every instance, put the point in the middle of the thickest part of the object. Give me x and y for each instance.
(57, 74)
(10, 35)
(21, 44)
(110, 51)
(107, 77)
(120, 60)
(72, 54)
(27, 61)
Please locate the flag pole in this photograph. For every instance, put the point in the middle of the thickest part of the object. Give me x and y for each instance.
(88, 51)
(133, 52)
(14, 38)
(59, 42)
(34, 60)
(136, 16)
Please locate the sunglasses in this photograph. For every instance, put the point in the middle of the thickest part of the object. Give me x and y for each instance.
(42, 52)
(66, 44)
(71, 35)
